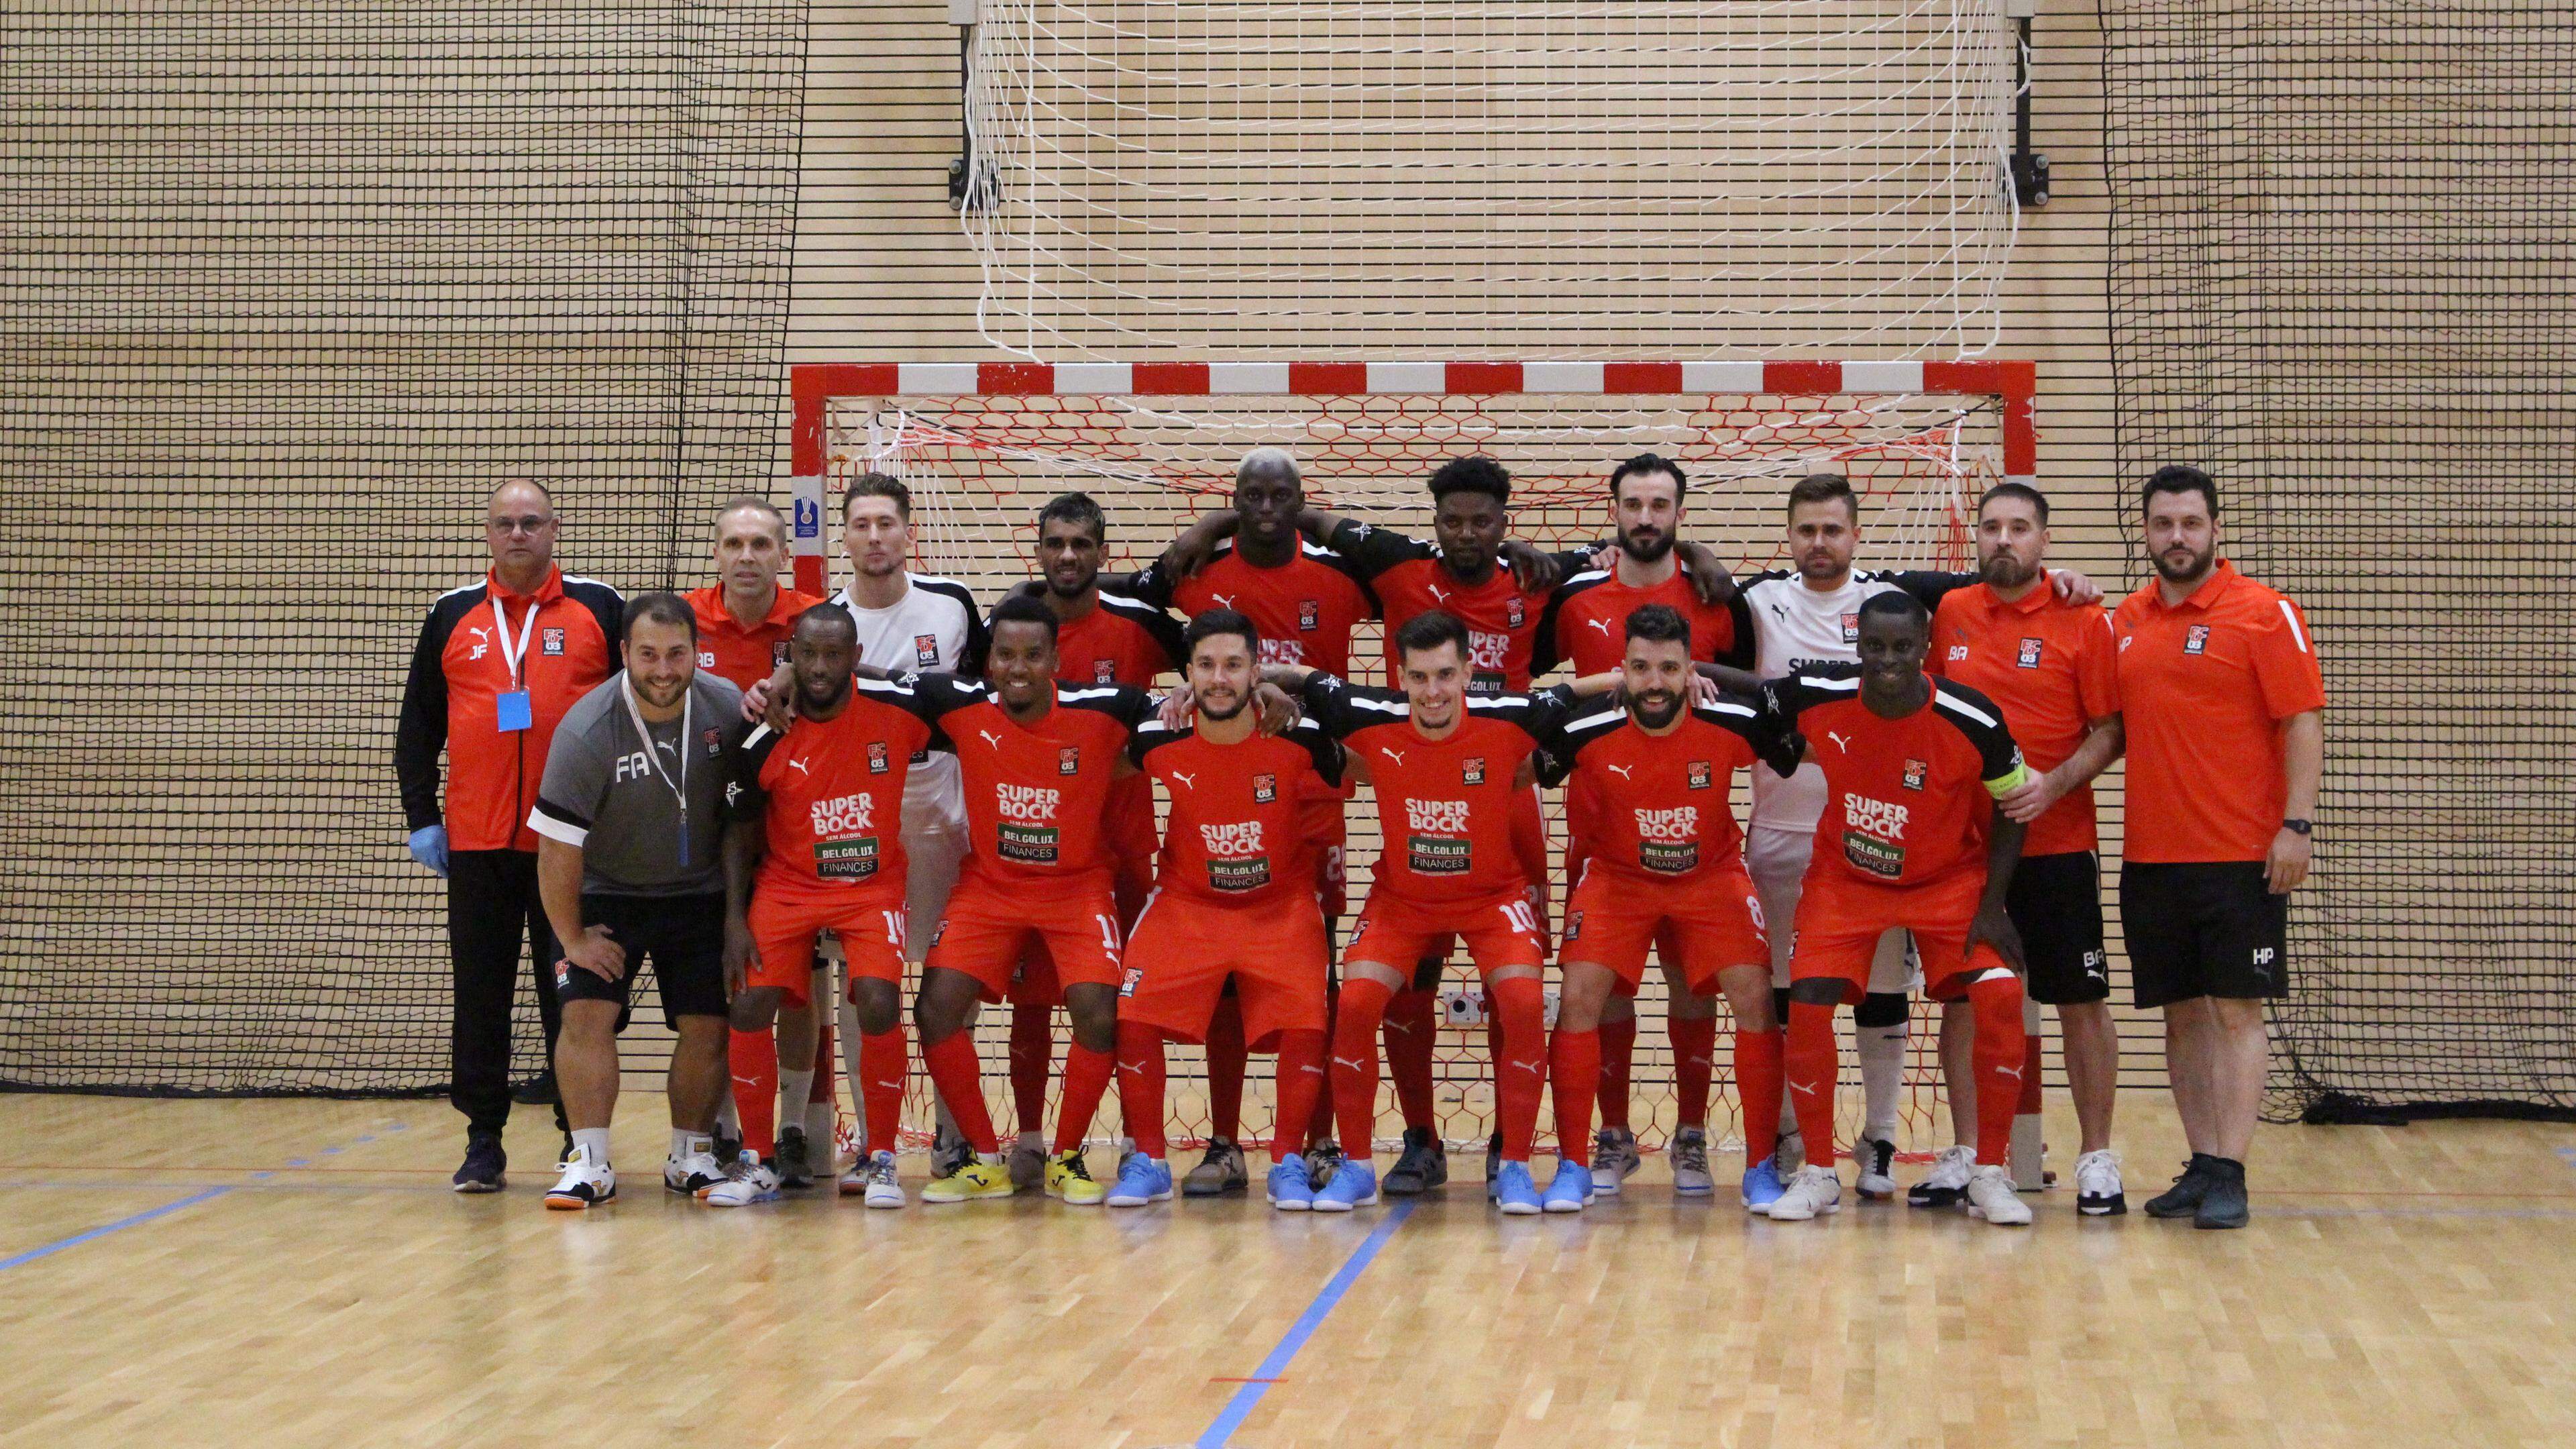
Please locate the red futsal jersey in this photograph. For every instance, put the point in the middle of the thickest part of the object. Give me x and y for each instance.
(1121, 641)
(1236, 834)
(833, 789)
(1410, 578)
(1903, 804)
(1304, 608)
(1444, 806)
(1036, 794)
(1661, 800)
(1587, 622)
(743, 657)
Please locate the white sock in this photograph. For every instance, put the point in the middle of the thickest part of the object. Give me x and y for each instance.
(685, 1142)
(793, 1089)
(728, 1121)
(591, 1143)
(1033, 1141)
(1882, 1077)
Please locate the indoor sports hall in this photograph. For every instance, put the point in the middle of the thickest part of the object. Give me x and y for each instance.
(294, 292)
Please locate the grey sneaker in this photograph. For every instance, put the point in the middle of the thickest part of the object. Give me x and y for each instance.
(2223, 1202)
(1614, 1157)
(1027, 1166)
(1422, 1166)
(795, 1162)
(1222, 1171)
(2182, 1200)
(1691, 1176)
(1791, 1154)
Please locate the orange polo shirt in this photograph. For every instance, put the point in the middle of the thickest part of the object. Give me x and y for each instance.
(739, 656)
(2204, 686)
(2052, 668)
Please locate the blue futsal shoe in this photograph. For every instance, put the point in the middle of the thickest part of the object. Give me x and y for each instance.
(1290, 1192)
(1571, 1191)
(1514, 1192)
(1141, 1180)
(1354, 1185)
(1762, 1185)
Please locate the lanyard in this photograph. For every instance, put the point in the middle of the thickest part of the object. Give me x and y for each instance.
(511, 653)
(652, 757)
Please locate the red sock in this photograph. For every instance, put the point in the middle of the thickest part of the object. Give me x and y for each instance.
(754, 1059)
(1319, 1118)
(959, 1075)
(1810, 1064)
(2000, 1054)
(1757, 1085)
(1354, 1069)
(1618, 1056)
(1412, 1031)
(1301, 1082)
(1086, 1080)
(1574, 1069)
(1520, 1014)
(823, 1064)
(881, 1095)
(1140, 1086)
(1694, 1065)
(1032, 1057)
(1225, 1066)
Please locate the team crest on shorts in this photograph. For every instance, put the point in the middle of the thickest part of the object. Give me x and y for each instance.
(1135, 975)
(1265, 788)
(877, 757)
(925, 650)
(1573, 926)
(1701, 775)
(1068, 761)
(1104, 671)
(554, 643)
(1851, 628)
(2030, 652)
(1513, 614)
(1915, 770)
(2198, 642)
(1474, 769)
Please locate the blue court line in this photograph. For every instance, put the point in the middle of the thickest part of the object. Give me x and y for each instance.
(1248, 1396)
(2567, 1155)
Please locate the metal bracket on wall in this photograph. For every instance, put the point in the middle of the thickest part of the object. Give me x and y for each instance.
(2029, 168)
(970, 183)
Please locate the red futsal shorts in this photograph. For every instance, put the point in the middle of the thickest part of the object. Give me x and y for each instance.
(1708, 922)
(1500, 930)
(1840, 921)
(1186, 946)
(787, 914)
(990, 929)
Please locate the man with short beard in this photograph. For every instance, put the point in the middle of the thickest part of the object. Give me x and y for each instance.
(2051, 667)
(2225, 713)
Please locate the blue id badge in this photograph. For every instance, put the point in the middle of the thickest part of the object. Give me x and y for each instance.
(515, 712)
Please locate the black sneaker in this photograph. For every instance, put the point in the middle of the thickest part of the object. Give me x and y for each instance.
(484, 1164)
(1322, 1161)
(2222, 1201)
(537, 1091)
(1422, 1166)
(2182, 1200)
(794, 1162)
(1221, 1172)
(726, 1149)
(1493, 1160)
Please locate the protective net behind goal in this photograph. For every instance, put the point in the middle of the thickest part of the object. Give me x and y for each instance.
(984, 448)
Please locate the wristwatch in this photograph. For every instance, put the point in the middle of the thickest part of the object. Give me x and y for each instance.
(2298, 827)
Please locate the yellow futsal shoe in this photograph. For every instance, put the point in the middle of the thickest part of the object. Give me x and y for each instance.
(976, 1181)
(1069, 1177)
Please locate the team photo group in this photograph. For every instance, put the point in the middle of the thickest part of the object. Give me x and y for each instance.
(838, 831)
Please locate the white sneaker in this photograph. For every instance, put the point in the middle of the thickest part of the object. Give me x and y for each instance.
(1691, 1176)
(750, 1181)
(1877, 1159)
(1614, 1159)
(692, 1174)
(1948, 1181)
(873, 1177)
(2097, 1185)
(1991, 1196)
(585, 1184)
(1813, 1189)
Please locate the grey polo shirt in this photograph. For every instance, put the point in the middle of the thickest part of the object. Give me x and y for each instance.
(603, 792)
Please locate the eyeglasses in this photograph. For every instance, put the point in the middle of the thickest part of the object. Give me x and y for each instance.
(531, 523)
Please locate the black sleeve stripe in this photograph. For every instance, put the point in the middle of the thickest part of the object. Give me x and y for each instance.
(562, 814)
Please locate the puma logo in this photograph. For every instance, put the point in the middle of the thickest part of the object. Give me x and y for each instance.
(1131, 1068)
(1529, 1067)
(1190, 780)
(1802, 1087)
(1350, 1062)
(1601, 624)
(2012, 1072)
(799, 767)
(1318, 1071)
(991, 738)
(1223, 601)
(1439, 595)
(894, 1086)
(1395, 755)
(1840, 743)
(1622, 772)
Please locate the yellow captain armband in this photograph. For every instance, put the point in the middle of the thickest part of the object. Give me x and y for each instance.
(2005, 784)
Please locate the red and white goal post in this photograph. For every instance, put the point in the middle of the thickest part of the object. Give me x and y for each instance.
(983, 446)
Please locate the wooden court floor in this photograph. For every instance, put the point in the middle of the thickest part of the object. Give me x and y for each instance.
(296, 1273)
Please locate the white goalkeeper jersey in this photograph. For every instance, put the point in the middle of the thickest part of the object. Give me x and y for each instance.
(934, 625)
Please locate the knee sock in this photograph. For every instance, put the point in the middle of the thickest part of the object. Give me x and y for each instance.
(959, 1075)
(1810, 1061)
(1574, 1071)
(754, 1063)
(1225, 1065)
(2000, 1058)
(1140, 1087)
(1520, 1011)
(822, 1096)
(1301, 1082)
(1757, 1082)
(1086, 1079)
(1694, 1066)
(1882, 1062)
(1412, 1031)
(1320, 1117)
(1354, 1067)
(1618, 1059)
(1032, 1057)
(881, 1091)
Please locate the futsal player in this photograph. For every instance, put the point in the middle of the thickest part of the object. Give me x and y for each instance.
(1911, 839)
(1234, 903)
(632, 825)
(2050, 666)
(824, 800)
(1664, 862)
(2225, 709)
(497, 666)
(1037, 760)
(1445, 766)
(1800, 617)
(743, 623)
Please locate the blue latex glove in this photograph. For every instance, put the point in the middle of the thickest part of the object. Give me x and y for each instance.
(429, 847)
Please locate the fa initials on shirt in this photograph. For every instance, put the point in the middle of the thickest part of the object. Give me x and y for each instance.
(637, 766)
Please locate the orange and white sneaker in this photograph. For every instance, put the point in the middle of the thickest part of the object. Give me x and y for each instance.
(584, 1184)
